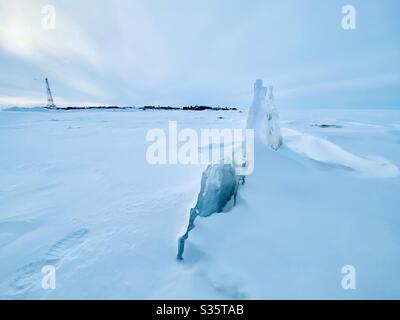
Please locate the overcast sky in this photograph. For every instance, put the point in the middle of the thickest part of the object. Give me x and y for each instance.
(175, 52)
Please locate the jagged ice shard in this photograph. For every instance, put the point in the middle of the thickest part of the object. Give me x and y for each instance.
(257, 112)
(219, 185)
(263, 116)
(219, 182)
(274, 138)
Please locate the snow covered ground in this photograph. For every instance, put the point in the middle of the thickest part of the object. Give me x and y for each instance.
(76, 192)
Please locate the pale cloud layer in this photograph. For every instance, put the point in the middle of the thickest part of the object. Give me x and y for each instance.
(200, 52)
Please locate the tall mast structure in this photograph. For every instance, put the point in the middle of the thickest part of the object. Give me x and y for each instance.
(50, 101)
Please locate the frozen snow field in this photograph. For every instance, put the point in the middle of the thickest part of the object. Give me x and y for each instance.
(77, 192)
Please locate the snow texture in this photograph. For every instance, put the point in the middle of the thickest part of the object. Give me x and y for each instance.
(76, 192)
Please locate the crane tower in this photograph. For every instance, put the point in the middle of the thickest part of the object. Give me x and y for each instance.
(50, 101)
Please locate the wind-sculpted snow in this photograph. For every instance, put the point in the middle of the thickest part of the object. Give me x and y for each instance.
(219, 186)
(324, 151)
(87, 202)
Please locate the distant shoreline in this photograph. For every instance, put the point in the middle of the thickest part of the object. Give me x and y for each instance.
(144, 108)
